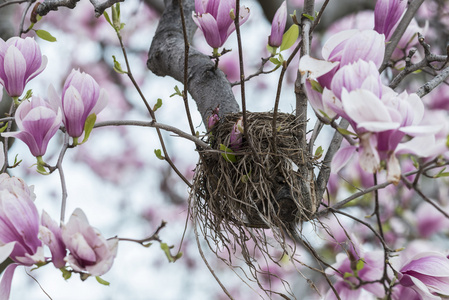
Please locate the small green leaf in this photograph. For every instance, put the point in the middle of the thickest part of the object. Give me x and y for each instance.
(272, 50)
(106, 16)
(15, 160)
(158, 104)
(158, 153)
(347, 274)
(2, 129)
(101, 281)
(289, 38)
(118, 66)
(441, 174)
(170, 257)
(88, 126)
(345, 131)
(28, 95)
(316, 86)
(275, 61)
(447, 142)
(177, 92)
(360, 265)
(45, 35)
(415, 162)
(65, 274)
(319, 152)
(229, 157)
(309, 17)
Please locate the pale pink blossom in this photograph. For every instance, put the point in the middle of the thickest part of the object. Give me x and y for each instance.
(90, 252)
(81, 97)
(37, 123)
(213, 18)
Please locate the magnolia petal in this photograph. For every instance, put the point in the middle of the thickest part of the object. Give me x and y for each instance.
(368, 156)
(315, 67)
(393, 169)
(5, 284)
(15, 69)
(101, 102)
(6, 250)
(421, 130)
(342, 157)
(51, 235)
(336, 40)
(363, 106)
(208, 25)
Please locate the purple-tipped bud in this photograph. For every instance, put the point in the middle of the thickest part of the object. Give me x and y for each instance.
(81, 97)
(236, 136)
(37, 123)
(387, 14)
(213, 18)
(278, 26)
(20, 61)
(213, 118)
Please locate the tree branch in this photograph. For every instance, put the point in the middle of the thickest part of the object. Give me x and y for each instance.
(399, 32)
(208, 87)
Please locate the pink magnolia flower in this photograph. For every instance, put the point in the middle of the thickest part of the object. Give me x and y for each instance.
(380, 124)
(278, 26)
(387, 14)
(89, 251)
(19, 228)
(20, 61)
(427, 273)
(213, 18)
(37, 123)
(346, 274)
(81, 97)
(348, 47)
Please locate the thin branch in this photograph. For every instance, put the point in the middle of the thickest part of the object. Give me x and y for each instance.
(325, 170)
(12, 2)
(415, 67)
(155, 125)
(429, 86)
(30, 2)
(186, 68)
(242, 69)
(150, 111)
(399, 32)
(62, 178)
(318, 17)
(145, 241)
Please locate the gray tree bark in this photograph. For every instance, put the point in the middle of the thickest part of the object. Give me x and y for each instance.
(208, 86)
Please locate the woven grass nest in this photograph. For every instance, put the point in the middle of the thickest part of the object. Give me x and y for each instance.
(262, 188)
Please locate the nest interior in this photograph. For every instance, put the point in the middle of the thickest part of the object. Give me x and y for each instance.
(262, 188)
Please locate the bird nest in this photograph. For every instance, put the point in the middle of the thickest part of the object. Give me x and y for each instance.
(257, 186)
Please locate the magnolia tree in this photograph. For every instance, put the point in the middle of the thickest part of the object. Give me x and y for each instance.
(315, 171)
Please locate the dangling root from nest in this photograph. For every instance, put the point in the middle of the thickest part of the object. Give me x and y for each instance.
(233, 203)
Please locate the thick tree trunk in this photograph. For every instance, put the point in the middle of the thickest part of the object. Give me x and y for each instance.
(208, 87)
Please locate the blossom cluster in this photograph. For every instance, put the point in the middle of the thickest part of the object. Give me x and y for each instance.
(75, 246)
(23, 236)
(38, 120)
